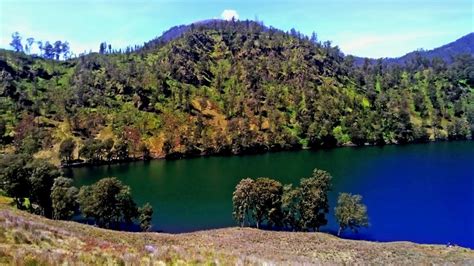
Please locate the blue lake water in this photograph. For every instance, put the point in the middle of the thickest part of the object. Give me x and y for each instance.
(421, 192)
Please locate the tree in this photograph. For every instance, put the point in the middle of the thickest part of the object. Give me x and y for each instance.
(47, 49)
(314, 203)
(29, 44)
(103, 48)
(133, 138)
(243, 200)
(57, 49)
(146, 215)
(65, 50)
(14, 178)
(267, 204)
(289, 207)
(350, 212)
(106, 150)
(16, 42)
(3, 129)
(91, 150)
(127, 206)
(108, 202)
(314, 37)
(121, 150)
(64, 198)
(41, 180)
(66, 150)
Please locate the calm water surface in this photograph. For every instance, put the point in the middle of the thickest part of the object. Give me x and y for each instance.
(422, 192)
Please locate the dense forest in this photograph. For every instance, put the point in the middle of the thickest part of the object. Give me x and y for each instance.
(226, 87)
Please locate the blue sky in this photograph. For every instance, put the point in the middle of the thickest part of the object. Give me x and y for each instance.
(375, 28)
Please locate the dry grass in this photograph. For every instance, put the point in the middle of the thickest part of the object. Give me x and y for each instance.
(27, 239)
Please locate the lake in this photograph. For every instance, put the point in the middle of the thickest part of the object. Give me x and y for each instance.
(420, 192)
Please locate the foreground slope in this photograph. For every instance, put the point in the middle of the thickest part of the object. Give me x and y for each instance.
(27, 238)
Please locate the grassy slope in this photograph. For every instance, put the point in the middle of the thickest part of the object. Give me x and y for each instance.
(30, 239)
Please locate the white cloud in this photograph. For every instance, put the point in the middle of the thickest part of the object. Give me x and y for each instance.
(228, 14)
(382, 45)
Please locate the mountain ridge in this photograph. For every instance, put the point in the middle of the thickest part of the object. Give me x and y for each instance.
(462, 45)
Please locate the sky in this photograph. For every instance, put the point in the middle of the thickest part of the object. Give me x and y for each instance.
(374, 28)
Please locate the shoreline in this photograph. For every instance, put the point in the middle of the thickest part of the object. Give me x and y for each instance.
(64, 242)
(255, 152)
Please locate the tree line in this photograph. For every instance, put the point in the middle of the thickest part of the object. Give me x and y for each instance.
(60, 49)
(95, 151)
(264, 201)
(39, 187)
(48, 50)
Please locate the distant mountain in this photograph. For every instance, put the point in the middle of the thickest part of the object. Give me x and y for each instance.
(463, 45)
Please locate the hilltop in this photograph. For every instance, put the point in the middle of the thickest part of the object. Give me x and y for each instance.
(226, 87)
(29, 239)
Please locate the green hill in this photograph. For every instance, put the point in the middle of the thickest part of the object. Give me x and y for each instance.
(227, 88)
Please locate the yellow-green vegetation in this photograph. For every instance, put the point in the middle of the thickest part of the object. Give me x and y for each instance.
(226, 88)
(27, 239)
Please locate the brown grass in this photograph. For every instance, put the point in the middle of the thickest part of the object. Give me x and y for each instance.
(27, 239)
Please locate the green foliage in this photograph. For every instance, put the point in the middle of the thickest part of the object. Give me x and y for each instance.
(230, 87)
(29, 182)
(314, 203)
(108, 201)
(291, 207)
(350, 212)
(266, 200)
(66, 150)
(41, 180)
(14, 177)
(64, 199)
(267, 204)
(341, 137)
(145, 217)
(3, 130)
(258, 201)
(243, 200)
(91, 151)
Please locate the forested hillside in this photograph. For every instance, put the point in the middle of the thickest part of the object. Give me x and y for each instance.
(226, 88)
(446, 52)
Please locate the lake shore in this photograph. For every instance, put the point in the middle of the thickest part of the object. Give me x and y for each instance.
(82, 163)
(183, 190)
(27, 238)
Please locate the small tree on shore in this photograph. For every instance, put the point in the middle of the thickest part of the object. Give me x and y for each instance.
(14, 177)
(42, 175)
(146, 215)
(314, 204)
(108, 201)
(64, 198)
(351, 212)
(289, 207)
(66, 150)
(243, 200)
(267, 201)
